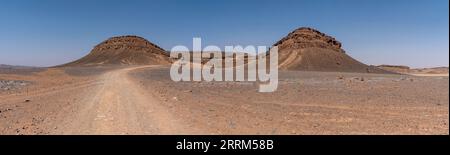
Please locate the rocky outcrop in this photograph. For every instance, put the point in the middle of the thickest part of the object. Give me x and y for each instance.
(311, 50)
(132, 43)
(124, 50)
(309, 38)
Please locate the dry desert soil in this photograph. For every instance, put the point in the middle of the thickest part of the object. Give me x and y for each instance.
(143, 100)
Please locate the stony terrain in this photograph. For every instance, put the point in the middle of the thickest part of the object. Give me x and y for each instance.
(143, 100)
(307, 103)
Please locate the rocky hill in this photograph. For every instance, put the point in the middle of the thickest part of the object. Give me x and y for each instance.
(124, 50)
(311, 50)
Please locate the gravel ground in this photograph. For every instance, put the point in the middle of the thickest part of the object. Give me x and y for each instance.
(143, 100)
(308, 103)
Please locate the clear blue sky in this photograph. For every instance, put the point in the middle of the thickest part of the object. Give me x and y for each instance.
(51, 32)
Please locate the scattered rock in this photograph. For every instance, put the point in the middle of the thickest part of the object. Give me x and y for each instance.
(7, 85)
(231, 124)
(5, 110)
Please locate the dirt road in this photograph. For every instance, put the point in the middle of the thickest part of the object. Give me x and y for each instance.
(119, 107)
(110, 104)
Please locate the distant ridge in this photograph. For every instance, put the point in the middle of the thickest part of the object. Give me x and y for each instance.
(4, 66)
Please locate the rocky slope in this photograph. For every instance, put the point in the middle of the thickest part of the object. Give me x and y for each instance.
(311, 50)
(124, 50)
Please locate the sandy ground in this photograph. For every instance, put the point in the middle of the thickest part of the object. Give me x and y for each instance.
(143, 100)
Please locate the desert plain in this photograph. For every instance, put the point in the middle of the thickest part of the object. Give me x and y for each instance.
(123, 86)
(143, 100)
